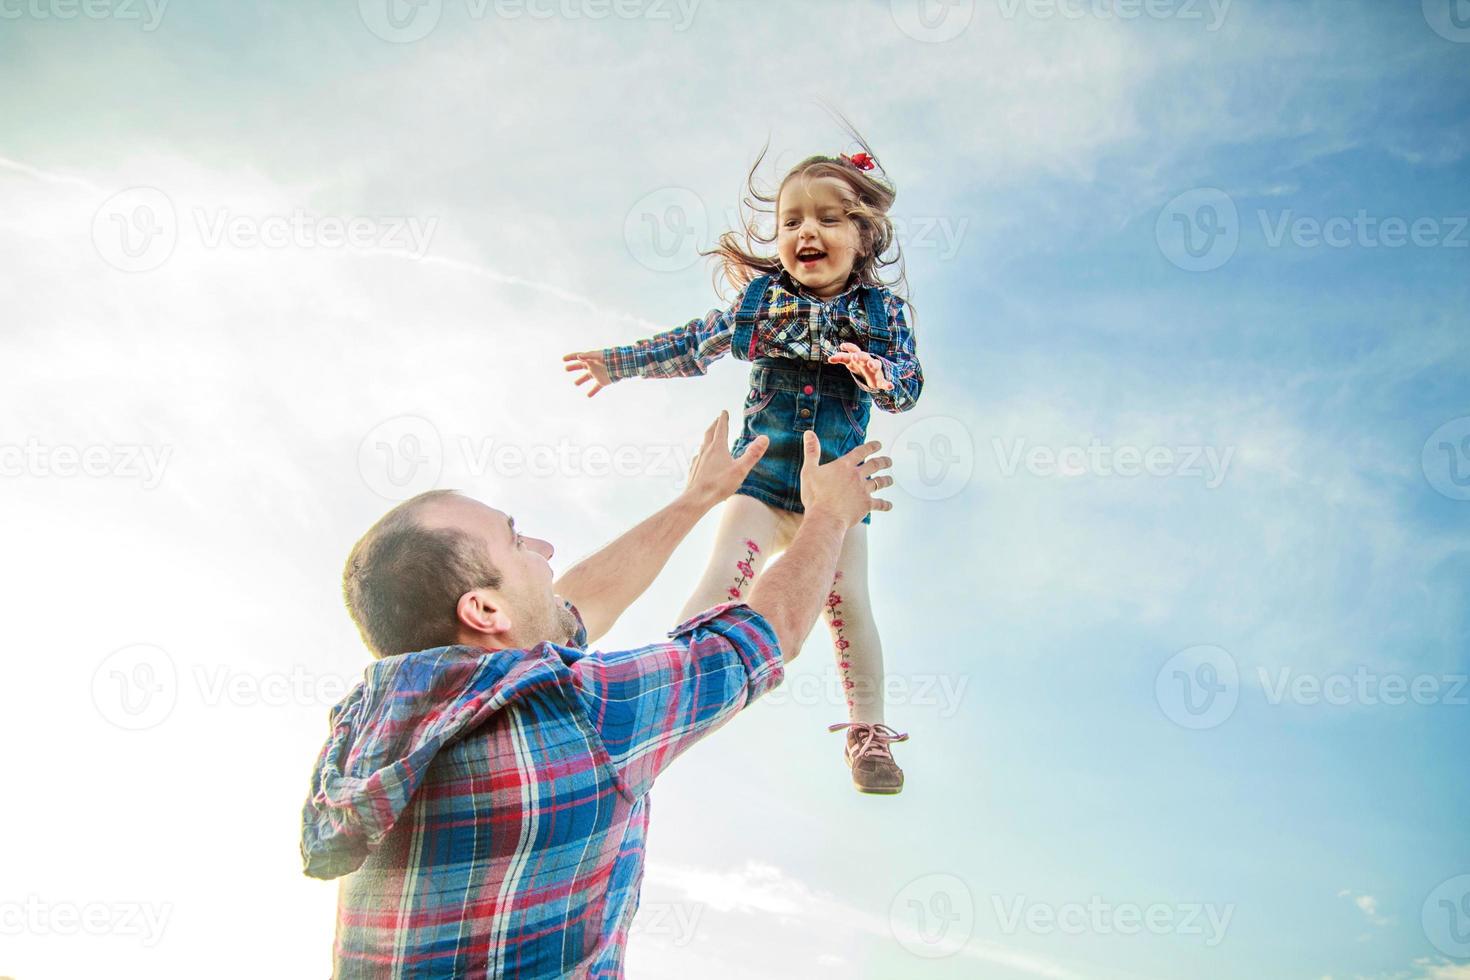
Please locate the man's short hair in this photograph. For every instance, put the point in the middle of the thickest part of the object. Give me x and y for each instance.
(403, 580)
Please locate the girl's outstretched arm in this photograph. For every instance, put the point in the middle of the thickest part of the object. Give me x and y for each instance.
(684, 352)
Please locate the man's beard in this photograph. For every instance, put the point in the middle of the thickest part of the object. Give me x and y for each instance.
(558, 625)
(566, 625)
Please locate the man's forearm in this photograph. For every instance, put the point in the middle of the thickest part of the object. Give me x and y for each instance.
(606, 582)
(791, 592)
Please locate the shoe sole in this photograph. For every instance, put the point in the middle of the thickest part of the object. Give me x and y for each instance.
(879, 792)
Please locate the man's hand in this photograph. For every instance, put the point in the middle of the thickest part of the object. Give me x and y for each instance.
(843, 487)
(606, 582)
(594, 369)
(790, 593)
(715, 474)
(864, 366)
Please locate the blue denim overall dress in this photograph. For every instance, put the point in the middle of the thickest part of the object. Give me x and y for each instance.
(789, 396)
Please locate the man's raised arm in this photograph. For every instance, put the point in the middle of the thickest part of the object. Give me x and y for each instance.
(835, 496)
(607, 581)
(652, 703)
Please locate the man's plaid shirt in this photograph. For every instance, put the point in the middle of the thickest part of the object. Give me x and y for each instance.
(488, 809)
(789, 323)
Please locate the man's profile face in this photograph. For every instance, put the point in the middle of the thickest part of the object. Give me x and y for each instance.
(525, 593)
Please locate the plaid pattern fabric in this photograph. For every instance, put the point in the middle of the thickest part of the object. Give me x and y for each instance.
(790, 323)
(489, 809)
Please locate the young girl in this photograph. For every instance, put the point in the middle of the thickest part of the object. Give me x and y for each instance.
(826, 340)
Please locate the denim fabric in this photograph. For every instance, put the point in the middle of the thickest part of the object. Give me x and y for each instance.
(835, 407)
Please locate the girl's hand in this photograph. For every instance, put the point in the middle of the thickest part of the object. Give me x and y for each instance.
(595, 370)
(864, 366)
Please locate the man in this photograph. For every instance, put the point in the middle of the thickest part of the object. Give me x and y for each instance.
(485, 789)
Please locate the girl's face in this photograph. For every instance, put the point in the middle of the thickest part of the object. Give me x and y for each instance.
(817, 242)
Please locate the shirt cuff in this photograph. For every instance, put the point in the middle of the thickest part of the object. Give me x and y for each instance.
(753, 638)
(623, 362)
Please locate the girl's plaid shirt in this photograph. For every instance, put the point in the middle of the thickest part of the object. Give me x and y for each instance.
(789, 323)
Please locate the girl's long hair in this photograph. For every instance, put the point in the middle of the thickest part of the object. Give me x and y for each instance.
(744, 255)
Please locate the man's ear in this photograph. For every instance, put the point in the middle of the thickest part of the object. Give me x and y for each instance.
(481, 611)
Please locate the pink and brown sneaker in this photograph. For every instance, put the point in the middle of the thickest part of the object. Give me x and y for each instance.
(873, 768)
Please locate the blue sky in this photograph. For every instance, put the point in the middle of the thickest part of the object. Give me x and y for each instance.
(1054, 626)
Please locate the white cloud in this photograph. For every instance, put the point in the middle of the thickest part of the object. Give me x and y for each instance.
(1368, 905)
(819, 920)
(1425, 968)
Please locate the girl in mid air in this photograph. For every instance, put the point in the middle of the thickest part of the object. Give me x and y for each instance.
(827, 339)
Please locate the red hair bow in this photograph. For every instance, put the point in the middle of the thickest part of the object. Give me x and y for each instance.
(860, 160)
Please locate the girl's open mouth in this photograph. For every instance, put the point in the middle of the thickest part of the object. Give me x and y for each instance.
(810, 255)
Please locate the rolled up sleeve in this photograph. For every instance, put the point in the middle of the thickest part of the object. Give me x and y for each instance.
(651, 704)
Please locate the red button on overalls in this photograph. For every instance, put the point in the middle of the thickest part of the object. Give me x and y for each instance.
(807, 390)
